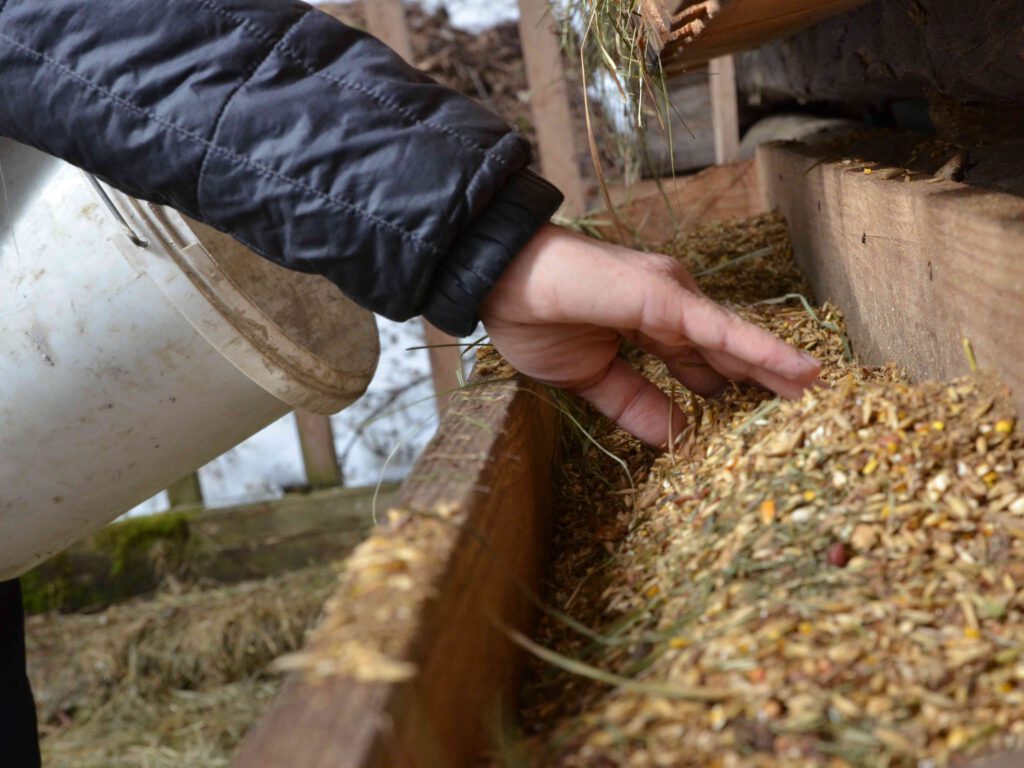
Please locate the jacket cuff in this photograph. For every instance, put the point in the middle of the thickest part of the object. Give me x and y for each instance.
(472, 267)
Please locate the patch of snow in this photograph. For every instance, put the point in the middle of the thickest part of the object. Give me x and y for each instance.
(379, 437)
(470, 15)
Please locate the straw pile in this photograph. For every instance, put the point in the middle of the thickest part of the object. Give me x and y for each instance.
(173, 680)
(833, 582)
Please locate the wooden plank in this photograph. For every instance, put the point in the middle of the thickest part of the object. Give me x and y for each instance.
(445, 362)
(549, 103)
(386, 20)
(652, 212)
(316, 438)
(465, 550)
(738, 25)
(725, 114)
(917, 267)
(898, 50)
(230, 544)
(185, 492)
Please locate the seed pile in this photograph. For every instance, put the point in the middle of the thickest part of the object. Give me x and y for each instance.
(837, 581)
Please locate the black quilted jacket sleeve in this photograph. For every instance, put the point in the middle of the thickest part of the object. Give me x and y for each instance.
(307, 140)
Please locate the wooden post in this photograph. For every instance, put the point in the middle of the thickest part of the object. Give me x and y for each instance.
(385, 19)
(549, 103)
(725, 120)
(318, 453)
(186, 491)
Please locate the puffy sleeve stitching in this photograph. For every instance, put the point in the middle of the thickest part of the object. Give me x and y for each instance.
(231, 96)
(258, 168)
(299, 58)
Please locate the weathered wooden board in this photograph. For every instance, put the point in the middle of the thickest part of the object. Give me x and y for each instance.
(916, 266)
(470, 537)
(319, 455)
(725, 118)
(549, 103)
(739, 25)
(230, 544)
(886, 50)
(652, 212)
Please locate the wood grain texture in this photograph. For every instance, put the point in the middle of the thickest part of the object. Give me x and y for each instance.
(185, 491)
(888, 50)
(549, 103)
(654, 211)
(725, 115)
(226, 545)
(915, 266)
(482, 496)
(385, 20)
(319, 456)
(740, 25)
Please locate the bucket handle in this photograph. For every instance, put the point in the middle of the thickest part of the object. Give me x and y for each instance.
(132, 235)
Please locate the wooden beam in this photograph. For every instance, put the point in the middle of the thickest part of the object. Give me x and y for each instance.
(229, 544)
(316, 438)
(725, 116)
(386, 20)
(917, 266)
(410, 666)
(185, 492)
(653, 212)
(739, 25)
(549, 103)
(898, 50)
(445, 363)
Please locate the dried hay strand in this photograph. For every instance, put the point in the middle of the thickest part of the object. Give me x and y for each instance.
(175, 679)
(834, 581)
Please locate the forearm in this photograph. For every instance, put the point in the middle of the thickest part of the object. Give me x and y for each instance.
(307, 140)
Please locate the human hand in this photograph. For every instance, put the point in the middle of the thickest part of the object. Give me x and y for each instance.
(560, 309)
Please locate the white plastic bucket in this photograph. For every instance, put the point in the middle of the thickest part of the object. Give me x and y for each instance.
(135, 346)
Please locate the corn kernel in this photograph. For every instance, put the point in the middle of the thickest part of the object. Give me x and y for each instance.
(958, 738)
(938, 426)
(768, 511)
(717, 717)
(870, 467)
(679, 643)
(1004, 426)
(972, 633)
(809, 495)
(805, 628)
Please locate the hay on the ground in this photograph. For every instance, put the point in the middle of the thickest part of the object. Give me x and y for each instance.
(171, 680)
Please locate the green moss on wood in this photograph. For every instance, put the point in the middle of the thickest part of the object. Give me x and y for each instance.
(138, 538)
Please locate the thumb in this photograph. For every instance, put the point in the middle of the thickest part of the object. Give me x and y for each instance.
(634, 403)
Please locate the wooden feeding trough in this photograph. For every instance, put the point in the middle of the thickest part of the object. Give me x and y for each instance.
(412, 665)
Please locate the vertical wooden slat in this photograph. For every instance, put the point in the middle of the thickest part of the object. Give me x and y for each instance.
(385, 19)
(318, 453)
(725, 121)
(186, 491)
(549, 103)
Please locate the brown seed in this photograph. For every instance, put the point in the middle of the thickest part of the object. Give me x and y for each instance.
(838, 554)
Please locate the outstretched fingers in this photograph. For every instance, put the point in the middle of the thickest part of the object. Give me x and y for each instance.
(634, 403)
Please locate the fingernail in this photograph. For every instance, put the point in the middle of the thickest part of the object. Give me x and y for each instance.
(809, 359)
